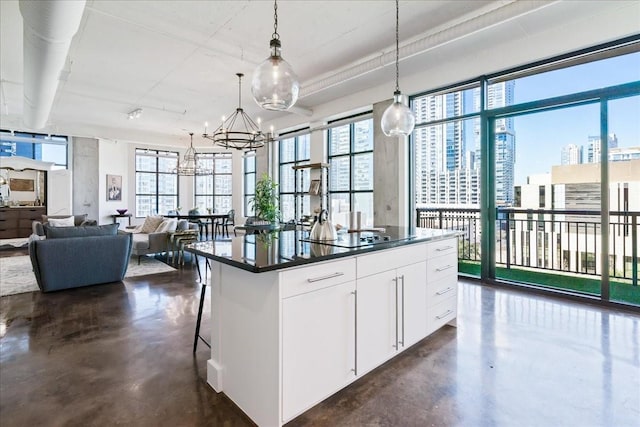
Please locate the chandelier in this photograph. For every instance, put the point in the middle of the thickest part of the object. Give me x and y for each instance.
(239, 131)
(190, 164)
(397, 119)
(275, 85)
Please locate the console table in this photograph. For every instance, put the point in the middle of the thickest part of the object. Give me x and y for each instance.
(116, 216)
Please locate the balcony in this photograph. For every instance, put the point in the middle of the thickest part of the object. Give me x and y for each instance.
(558, 249)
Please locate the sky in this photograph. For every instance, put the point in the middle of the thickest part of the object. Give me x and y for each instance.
(540, 136)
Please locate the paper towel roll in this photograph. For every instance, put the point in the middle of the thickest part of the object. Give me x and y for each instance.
(352, 221)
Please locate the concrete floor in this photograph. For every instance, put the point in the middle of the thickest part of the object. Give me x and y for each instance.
(121, 354)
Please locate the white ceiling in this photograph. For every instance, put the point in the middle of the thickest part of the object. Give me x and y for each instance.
(177, 59)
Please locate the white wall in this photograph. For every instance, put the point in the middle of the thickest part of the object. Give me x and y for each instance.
(113, 159)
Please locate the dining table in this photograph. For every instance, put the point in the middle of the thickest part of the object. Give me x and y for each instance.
(205, 219)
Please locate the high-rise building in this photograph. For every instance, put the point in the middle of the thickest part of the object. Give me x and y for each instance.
(594, 147)
(571, 155)
(447, 171)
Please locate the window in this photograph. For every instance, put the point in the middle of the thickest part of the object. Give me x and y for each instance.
(351, 171)
(249, 161)
(156, 182)
(541, 196)
(203, 184)
(222, 183)
(47, 148)
(294, 152)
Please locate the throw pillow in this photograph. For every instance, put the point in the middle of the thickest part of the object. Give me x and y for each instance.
(167, 225)
(151, 223)
(89, 222)
(183, 225)
(80, 231)
(62, 222)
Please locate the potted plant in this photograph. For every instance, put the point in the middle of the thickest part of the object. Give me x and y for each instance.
(265, 200)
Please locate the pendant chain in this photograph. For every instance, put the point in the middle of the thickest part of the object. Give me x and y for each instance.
(397, 48)
(275, 34)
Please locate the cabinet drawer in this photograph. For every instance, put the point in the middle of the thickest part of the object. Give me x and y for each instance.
(24, 223)
(317, 276)
(385, 260)
(440, 314)
(31, 214)
(444, 247)
(9, 234)
(9, 214)
(441, 290)
(442, 266)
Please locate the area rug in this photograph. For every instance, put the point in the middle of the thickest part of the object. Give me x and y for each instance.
(13, 243)
(16, 275)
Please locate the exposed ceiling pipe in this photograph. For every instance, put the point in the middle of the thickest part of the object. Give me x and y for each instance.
(497, 15)
(48, 29)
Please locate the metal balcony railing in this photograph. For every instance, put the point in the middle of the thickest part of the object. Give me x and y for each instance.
(557, 240)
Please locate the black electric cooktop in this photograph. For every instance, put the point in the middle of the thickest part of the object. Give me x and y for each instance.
(362, 239)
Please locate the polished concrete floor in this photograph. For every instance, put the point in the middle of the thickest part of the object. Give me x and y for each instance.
(121, 354)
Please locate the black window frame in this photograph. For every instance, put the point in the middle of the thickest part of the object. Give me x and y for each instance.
(157, 154)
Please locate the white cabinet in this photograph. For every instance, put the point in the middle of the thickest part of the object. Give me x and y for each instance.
(442, 279)
(318, 346)
(391, 313)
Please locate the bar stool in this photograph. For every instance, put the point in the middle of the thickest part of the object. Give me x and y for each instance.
(200, 305)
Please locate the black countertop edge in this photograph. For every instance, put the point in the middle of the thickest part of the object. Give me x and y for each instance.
(339, 253)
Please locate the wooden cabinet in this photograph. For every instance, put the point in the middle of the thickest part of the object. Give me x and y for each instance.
(318, 346)
(16, 222)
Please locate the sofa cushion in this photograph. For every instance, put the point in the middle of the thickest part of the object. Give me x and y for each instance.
(89, 222)
(151, 223)
(61, 222)
(167, 225)
(77, 219)
(80, 231)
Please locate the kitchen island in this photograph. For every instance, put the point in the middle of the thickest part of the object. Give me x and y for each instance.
(294, 321)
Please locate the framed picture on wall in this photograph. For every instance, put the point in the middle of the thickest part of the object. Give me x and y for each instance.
(314, 187)
(114, 187)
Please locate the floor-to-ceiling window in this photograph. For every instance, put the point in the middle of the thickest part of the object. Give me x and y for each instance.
(294, 202)
(222, 182)
(249, 182)
(203, 184)
(557, 150)
(156, 182)
(350, 152)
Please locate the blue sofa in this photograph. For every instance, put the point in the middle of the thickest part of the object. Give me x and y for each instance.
(72, 257)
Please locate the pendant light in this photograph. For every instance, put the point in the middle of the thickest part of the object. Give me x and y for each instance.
(275, 85)
(398, 119)
(191, 165)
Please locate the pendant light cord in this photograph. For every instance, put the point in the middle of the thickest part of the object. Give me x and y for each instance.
(397, 47)
(239, 90)
(275, 34)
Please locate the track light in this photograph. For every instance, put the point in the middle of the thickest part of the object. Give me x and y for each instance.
(135, 113)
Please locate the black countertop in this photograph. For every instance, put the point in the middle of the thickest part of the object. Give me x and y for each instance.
(258, 253)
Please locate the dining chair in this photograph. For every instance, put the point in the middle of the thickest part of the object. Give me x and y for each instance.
(229, 220)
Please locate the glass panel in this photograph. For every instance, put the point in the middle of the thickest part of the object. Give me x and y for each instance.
(203, 203)
(339, 176)
(223, 184)
(363, 172)
(551, 248)
(223, 165)
(304, 147)
(54, 153)
(145, 162)
(248, 206)
(579, 78)
(222, 204)
(287, 179)
(167, 184)
(250, 164)
(363, 136)
(363, 202)
(624, 203)
(339, 142)
(145, 183)
(445, 106)
(339, 208)
(167, 164)
(287, 150)
(145, 205)
(287, 207)
(166, 203)
(250, 183)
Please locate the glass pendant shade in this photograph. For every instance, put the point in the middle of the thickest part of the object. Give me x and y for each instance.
(275, 85)
(398, 119)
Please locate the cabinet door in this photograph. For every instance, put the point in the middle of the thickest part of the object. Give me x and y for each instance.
(318, 346)
(413, 286)
(377, 320)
